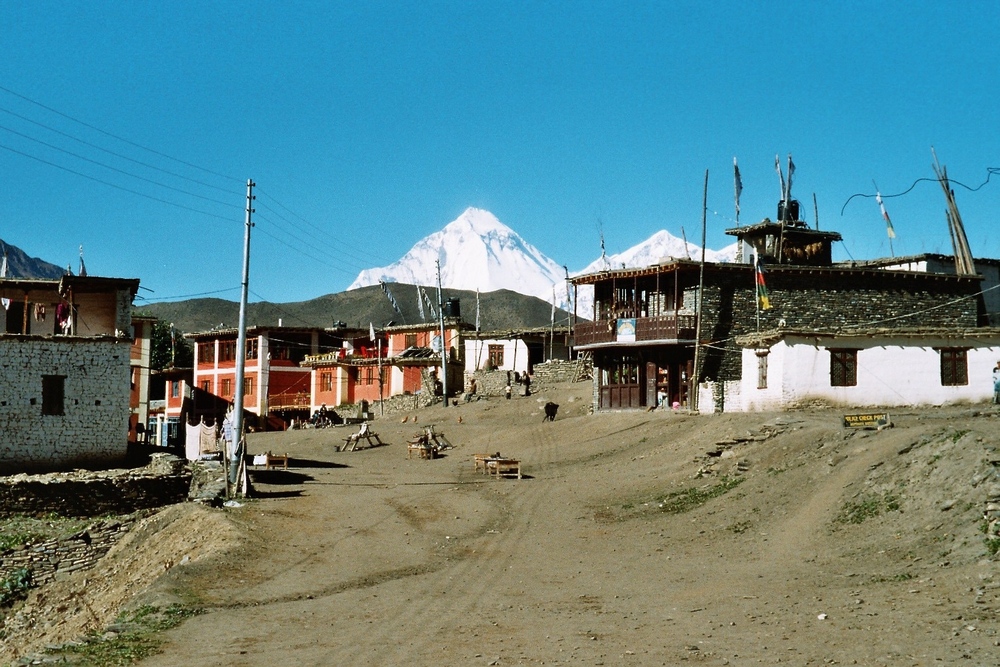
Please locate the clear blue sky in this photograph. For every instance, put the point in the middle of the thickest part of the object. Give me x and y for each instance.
(368, 125)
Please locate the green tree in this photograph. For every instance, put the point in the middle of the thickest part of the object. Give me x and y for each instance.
(168, 347)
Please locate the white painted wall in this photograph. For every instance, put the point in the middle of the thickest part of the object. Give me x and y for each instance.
(515, 354)
(898, 372)
(93, 431)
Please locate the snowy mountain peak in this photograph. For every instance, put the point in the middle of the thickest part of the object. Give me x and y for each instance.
(478, 221)
(657, 248)
(476, 251)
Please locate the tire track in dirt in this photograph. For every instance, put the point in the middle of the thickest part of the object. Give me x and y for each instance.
(472, 578)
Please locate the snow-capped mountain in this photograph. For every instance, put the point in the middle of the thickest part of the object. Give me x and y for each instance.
(476, 251)
(659, 247)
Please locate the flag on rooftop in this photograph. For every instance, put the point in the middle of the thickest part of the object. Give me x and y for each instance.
(763, 299)
(83, 268)
(738, 185)
(3, 274)
(885, 214)
(371, 332)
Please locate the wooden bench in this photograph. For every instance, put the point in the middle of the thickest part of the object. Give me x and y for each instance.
(364, 433)
(423, 450)
(480, 462)
(501, 467)
(269, 460)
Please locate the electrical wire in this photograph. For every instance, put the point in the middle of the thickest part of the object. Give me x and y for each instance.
(111, 152)
(113, 185)
(117, 170)
(990, 171)
(115, 136)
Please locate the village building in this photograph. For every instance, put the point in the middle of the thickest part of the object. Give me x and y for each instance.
(403, 359)
(515, 350)
(139, 378)
(705, 337)
(65, 390)
(276, 388)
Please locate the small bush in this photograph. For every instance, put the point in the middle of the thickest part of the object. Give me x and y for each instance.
(15, 587)
(867, 507)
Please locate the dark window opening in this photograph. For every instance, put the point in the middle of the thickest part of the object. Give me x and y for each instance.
(954, 367)
(843, 368)
(53, 394)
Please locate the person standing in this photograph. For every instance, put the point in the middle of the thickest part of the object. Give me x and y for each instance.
(996, 384)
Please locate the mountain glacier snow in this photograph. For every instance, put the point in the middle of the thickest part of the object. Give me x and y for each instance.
(478, 252)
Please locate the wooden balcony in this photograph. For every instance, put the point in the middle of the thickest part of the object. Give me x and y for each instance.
(288, 401)
(664, 327)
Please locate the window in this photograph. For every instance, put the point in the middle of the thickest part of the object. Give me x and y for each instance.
(227, 350)
(496, 356)
(206, 353)
(206, 386)
(954, 367)
(227, 387)
(175, 388)
(251, 352)
(326, 382)
(369, 375)
(762, 369)
(843, 368)
(410, 340)
(247, 386)
(53, 394)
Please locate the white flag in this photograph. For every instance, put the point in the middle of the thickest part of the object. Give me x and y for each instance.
(371, 331)
(3, 274)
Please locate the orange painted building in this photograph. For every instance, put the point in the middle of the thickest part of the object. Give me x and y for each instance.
(394, 364)
(275, 386)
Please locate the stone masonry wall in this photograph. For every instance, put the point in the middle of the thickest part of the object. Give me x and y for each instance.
(126, 494)
(49, 559)
(93, 430)
(825, 301)
(87, 494)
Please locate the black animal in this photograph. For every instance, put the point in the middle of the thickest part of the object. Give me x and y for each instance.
(550, 412)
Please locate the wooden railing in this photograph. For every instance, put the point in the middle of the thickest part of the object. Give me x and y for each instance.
(664, 327)
(288, 400)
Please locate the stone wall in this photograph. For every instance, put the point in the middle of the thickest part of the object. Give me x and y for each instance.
(56, 557)
(824, 300)
(165, 481)
(92, 430)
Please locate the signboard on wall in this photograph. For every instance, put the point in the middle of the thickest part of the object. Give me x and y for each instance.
(625, 330)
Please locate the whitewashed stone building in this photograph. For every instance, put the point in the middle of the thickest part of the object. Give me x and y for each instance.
(64, 372)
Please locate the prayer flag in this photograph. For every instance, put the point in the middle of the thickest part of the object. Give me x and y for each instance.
(392, 300)
(420, 305)
(763, 300)
(738, 184)
(83, 268)
(477, 309)
(371, 332)
(885, 214)
(3, 274)
(781, 177)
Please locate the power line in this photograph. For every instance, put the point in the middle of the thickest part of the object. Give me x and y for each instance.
(113, 185)
(111, 152)
(990, 171)
(115, 136)
(117, 170)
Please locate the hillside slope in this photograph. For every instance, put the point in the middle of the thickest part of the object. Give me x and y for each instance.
(501, 309)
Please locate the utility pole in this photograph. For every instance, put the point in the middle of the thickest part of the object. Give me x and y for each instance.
(444, 345)
(236, 462)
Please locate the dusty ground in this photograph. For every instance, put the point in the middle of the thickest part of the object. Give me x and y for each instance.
(370, 558)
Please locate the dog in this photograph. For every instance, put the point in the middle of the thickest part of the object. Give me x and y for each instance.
(550, 412)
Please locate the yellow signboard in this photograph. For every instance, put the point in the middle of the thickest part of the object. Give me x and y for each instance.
(877, 420)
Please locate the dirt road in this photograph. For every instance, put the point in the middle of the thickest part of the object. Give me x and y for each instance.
(634, 539)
